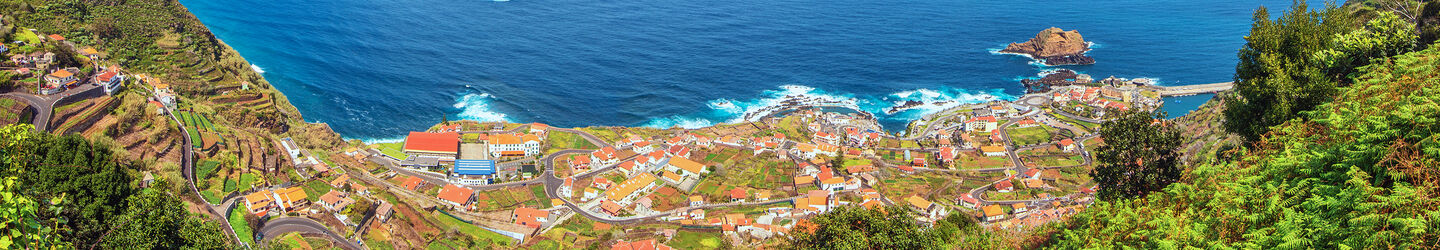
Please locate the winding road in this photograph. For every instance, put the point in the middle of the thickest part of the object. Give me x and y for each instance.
(280, 226)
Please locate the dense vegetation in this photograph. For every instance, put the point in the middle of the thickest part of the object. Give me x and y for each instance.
(75, 192)
(894, 227)
(1140, 155)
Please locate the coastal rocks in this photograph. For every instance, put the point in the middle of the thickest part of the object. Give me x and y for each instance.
(1054, 46)
(1061, 77)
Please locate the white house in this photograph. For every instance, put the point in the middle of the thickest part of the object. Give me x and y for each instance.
(503, 145)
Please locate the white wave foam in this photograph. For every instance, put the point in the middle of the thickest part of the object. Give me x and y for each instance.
(773, 101)
(679, 121)
(938, 100)
(477, 107)
(382, 140)
(257, 69)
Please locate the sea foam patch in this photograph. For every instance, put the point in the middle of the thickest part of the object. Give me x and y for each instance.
(889, 107)
(476, 106)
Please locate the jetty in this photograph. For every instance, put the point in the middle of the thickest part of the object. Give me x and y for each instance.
(1192, 89)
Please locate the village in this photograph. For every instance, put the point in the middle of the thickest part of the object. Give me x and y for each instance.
(1011, 165)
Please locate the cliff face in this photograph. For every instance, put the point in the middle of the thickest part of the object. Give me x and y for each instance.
(1055, 47)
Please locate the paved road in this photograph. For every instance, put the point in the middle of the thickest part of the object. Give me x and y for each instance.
(284, 225)
(45, 105)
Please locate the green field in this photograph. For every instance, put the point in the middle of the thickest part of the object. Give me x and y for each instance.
(315, 188)
(1030, 136)
(242, 228)
(210, 196)
(24, 34)
(472, 230)
(539, 191)
(694, 240)
(205, 168)
(393, 149)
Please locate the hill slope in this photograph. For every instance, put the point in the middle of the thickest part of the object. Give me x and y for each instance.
(1362, 172)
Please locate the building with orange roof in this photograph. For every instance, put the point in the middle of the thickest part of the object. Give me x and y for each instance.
(335, 200)
(412, 183)
(1067, 145)
(539, 129)
(61, 78)
(981, 123)
(969, 201)
(737, 195)
(804, 180)
(625, 192)
(530, 217)
(993, 213)
(291, 198)
(612, 208)
(686, 167)
(925, 206)
(56, 37)
(832, 184)
(1004, 186)
(457, 196)
(993, 151)
(443, 145)
(514, 145)
(259, 203)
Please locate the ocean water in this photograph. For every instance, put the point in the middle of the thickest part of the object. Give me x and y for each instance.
(376, 69)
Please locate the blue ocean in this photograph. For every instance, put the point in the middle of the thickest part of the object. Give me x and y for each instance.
(374, 70)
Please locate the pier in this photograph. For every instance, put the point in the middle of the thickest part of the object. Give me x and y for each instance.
(1193, 89)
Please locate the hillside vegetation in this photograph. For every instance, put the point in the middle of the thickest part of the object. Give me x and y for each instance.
(1359, 172)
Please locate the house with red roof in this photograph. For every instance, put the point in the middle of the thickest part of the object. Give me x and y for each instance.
(412, 183)
(1033, 173)
(457, 196)
(110, 81)
(1004, 186)
(737, 195)
(1067, 145)
(981, 123)
(539, 129)
(530, 217)
(604, 156)
(969, 201)
(443, 145)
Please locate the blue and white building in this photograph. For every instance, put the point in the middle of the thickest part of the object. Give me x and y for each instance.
(473, 172)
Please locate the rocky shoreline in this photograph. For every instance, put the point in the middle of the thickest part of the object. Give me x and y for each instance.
(1053, 47)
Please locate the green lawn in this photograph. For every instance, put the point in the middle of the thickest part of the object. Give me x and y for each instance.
(315, 188)
(563, 140)
(210, 196)
(230, 186)
(539, 191)
(393, 149)
(24, 34)
(694, 240)
(242, 228)
(472, 230)
(1031, 135)
(205, 168)
(247, 179)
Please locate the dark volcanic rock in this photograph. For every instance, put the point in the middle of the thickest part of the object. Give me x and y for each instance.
(1055, 47)
(1062, 77)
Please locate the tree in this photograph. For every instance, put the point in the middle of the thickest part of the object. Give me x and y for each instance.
(1139, 156)
(156, 219)
(854, 227)
(1278, 75)
(1384, 36)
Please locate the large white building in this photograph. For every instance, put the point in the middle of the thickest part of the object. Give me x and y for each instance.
(503, 145)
